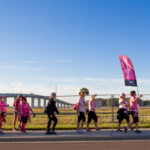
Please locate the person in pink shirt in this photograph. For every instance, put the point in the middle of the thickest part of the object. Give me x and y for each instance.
(3, 112)
(16, 112)
(134, 109)
(92, 114)
(24, 112)
(81, 112)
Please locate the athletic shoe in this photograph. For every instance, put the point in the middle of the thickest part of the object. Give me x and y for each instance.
(125, 129)
(14, 129)
(1, 132)
(23, 131)
(119, 130)
(98, 129)
(78, 131)
(138, 131)
(53, 132)
(89, 130)
(132, 128)
(82, 131)
(48, 132)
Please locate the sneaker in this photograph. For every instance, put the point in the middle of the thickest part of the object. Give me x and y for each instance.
(82, 131)
(132, 128)
(23, 131)
(125, 129)
(1, 132)
(119, 130)
(48, 132)
(138, 131)
(78, 131)
(53, 132)
(89, 130)
(14, 129)
(97, 129)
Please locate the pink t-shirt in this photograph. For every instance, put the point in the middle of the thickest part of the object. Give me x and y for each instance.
(16, 104)
(82, 105)
(133, 104)
(92, 106)
(24, 108)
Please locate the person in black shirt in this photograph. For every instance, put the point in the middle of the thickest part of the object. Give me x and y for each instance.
(51, 109)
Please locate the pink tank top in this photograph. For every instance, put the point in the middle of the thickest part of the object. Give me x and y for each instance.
(92, 106)
(133, 104)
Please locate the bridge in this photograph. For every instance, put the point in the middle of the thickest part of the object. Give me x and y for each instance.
(39, 98)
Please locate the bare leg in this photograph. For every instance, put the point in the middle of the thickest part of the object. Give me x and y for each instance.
(82, 124)
(87, 126)
(15, 119)
(136, 126)
(78, 125)
(96, 125)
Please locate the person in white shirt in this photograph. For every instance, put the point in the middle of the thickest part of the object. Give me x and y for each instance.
(122, 113)
(81, 112)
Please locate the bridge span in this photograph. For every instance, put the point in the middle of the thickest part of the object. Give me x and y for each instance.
(38, 98)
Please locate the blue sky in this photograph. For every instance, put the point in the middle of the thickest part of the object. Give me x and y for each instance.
(72, 44)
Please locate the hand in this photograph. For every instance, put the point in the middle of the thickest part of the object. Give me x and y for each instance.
(34, 114)
(141, 95)
(51, 116)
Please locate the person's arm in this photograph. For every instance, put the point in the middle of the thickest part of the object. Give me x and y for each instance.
(31, 109)
(125, 104)
(138, 98)
(78, 107)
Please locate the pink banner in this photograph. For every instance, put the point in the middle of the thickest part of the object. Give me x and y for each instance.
(128, 71)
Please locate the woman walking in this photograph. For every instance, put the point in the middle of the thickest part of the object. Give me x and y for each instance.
(24, 111)
(134, 109)
(3, 112)
(92, 114)
(81, 112)
(123, 113)
(51, 109)
(16, 112)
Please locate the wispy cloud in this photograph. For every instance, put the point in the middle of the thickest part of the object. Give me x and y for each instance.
(62, 61)
(31, 62)
(22, 68)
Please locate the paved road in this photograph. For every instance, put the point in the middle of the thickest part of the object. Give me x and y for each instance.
(103, 145)
(69, 135)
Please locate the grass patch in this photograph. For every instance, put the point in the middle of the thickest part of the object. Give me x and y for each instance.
(67, 119)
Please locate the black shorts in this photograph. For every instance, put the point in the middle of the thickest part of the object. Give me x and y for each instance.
(122, 114)
(92, 115)
(135, 117)
(24, 119)
(81, 117)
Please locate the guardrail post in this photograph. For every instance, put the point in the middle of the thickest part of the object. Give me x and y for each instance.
(142, 110)
(112, 107)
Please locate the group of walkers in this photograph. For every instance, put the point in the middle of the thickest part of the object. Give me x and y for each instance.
(22, 111)
(126, 109)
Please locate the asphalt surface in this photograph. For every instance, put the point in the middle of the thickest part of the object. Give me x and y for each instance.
(71, 135)
(103, 145)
